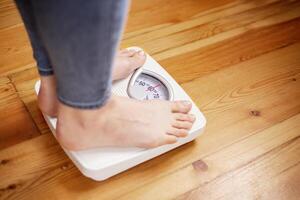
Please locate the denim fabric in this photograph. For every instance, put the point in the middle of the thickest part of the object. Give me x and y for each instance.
(79, 38)
(39, 51)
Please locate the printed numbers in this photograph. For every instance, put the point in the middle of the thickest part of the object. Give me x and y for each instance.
(142, 83)
(156, 96)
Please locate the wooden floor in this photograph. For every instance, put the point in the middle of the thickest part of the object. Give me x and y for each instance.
(240, 62)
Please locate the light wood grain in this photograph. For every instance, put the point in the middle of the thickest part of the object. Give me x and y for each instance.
(276, 166)
(153, 13)
(16, 53)
(251, 44)
(9, 15)
(238, 60)
(241, 159)
(238, 122)
(166, 167)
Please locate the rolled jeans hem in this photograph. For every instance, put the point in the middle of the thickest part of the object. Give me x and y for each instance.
(85, 105)
(45, 72)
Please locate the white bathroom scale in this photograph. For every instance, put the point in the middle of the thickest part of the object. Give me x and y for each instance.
(150, 81)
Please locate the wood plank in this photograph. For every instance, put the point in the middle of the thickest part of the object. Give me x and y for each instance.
(16, 124)
(226, 88)
(238, 60)
(24, 82)
(191, 34)
(196, 44)
(249, 45)
(29, 155)
(218, 56)
(139, 10)
(15, 51)
(162, 30)
(254, 160)
(9, 14)
(166, 12)
(22, 54)
(239, 111)
(252, 181)
(47, 160)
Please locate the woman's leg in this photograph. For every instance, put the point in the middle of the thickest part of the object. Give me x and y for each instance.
(125, 61)
(47, 96)
(39, 51)
(81, 38)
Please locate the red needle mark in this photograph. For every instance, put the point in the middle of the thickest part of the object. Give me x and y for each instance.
(153, 87)
(156, 86)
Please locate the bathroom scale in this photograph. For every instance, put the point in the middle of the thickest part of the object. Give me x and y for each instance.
(148, 82)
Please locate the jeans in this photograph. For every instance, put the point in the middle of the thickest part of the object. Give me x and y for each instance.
(76, 41)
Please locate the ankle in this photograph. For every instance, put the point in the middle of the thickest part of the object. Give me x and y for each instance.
(46, 105)
(80, 120)
(47, 98)
(81, 116)
(67, 122)
(66, 140)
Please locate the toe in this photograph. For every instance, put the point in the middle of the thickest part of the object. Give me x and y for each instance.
(156, 142)
(182, 124)
(138, 59)
(127, 52)
(123, 51)
(170, 139)
(181, 106)
(178, 132)
(184, 117)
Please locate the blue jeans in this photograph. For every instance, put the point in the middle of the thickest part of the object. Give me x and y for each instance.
(76, 41)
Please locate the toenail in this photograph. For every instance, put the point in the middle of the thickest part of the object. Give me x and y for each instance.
(192, 117)
(187, 103)
(141, 53)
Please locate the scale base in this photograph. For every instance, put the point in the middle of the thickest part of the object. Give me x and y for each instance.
(102, 163)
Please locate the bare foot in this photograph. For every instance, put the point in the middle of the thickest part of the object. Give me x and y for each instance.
(126, 62)
(124, 122)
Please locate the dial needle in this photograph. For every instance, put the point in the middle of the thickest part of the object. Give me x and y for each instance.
(153, 87)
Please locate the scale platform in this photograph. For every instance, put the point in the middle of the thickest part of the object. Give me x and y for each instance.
(102, 163)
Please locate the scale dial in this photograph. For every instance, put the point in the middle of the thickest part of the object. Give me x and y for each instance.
(148, 86)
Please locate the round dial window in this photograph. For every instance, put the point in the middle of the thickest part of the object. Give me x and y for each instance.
(147, 87)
